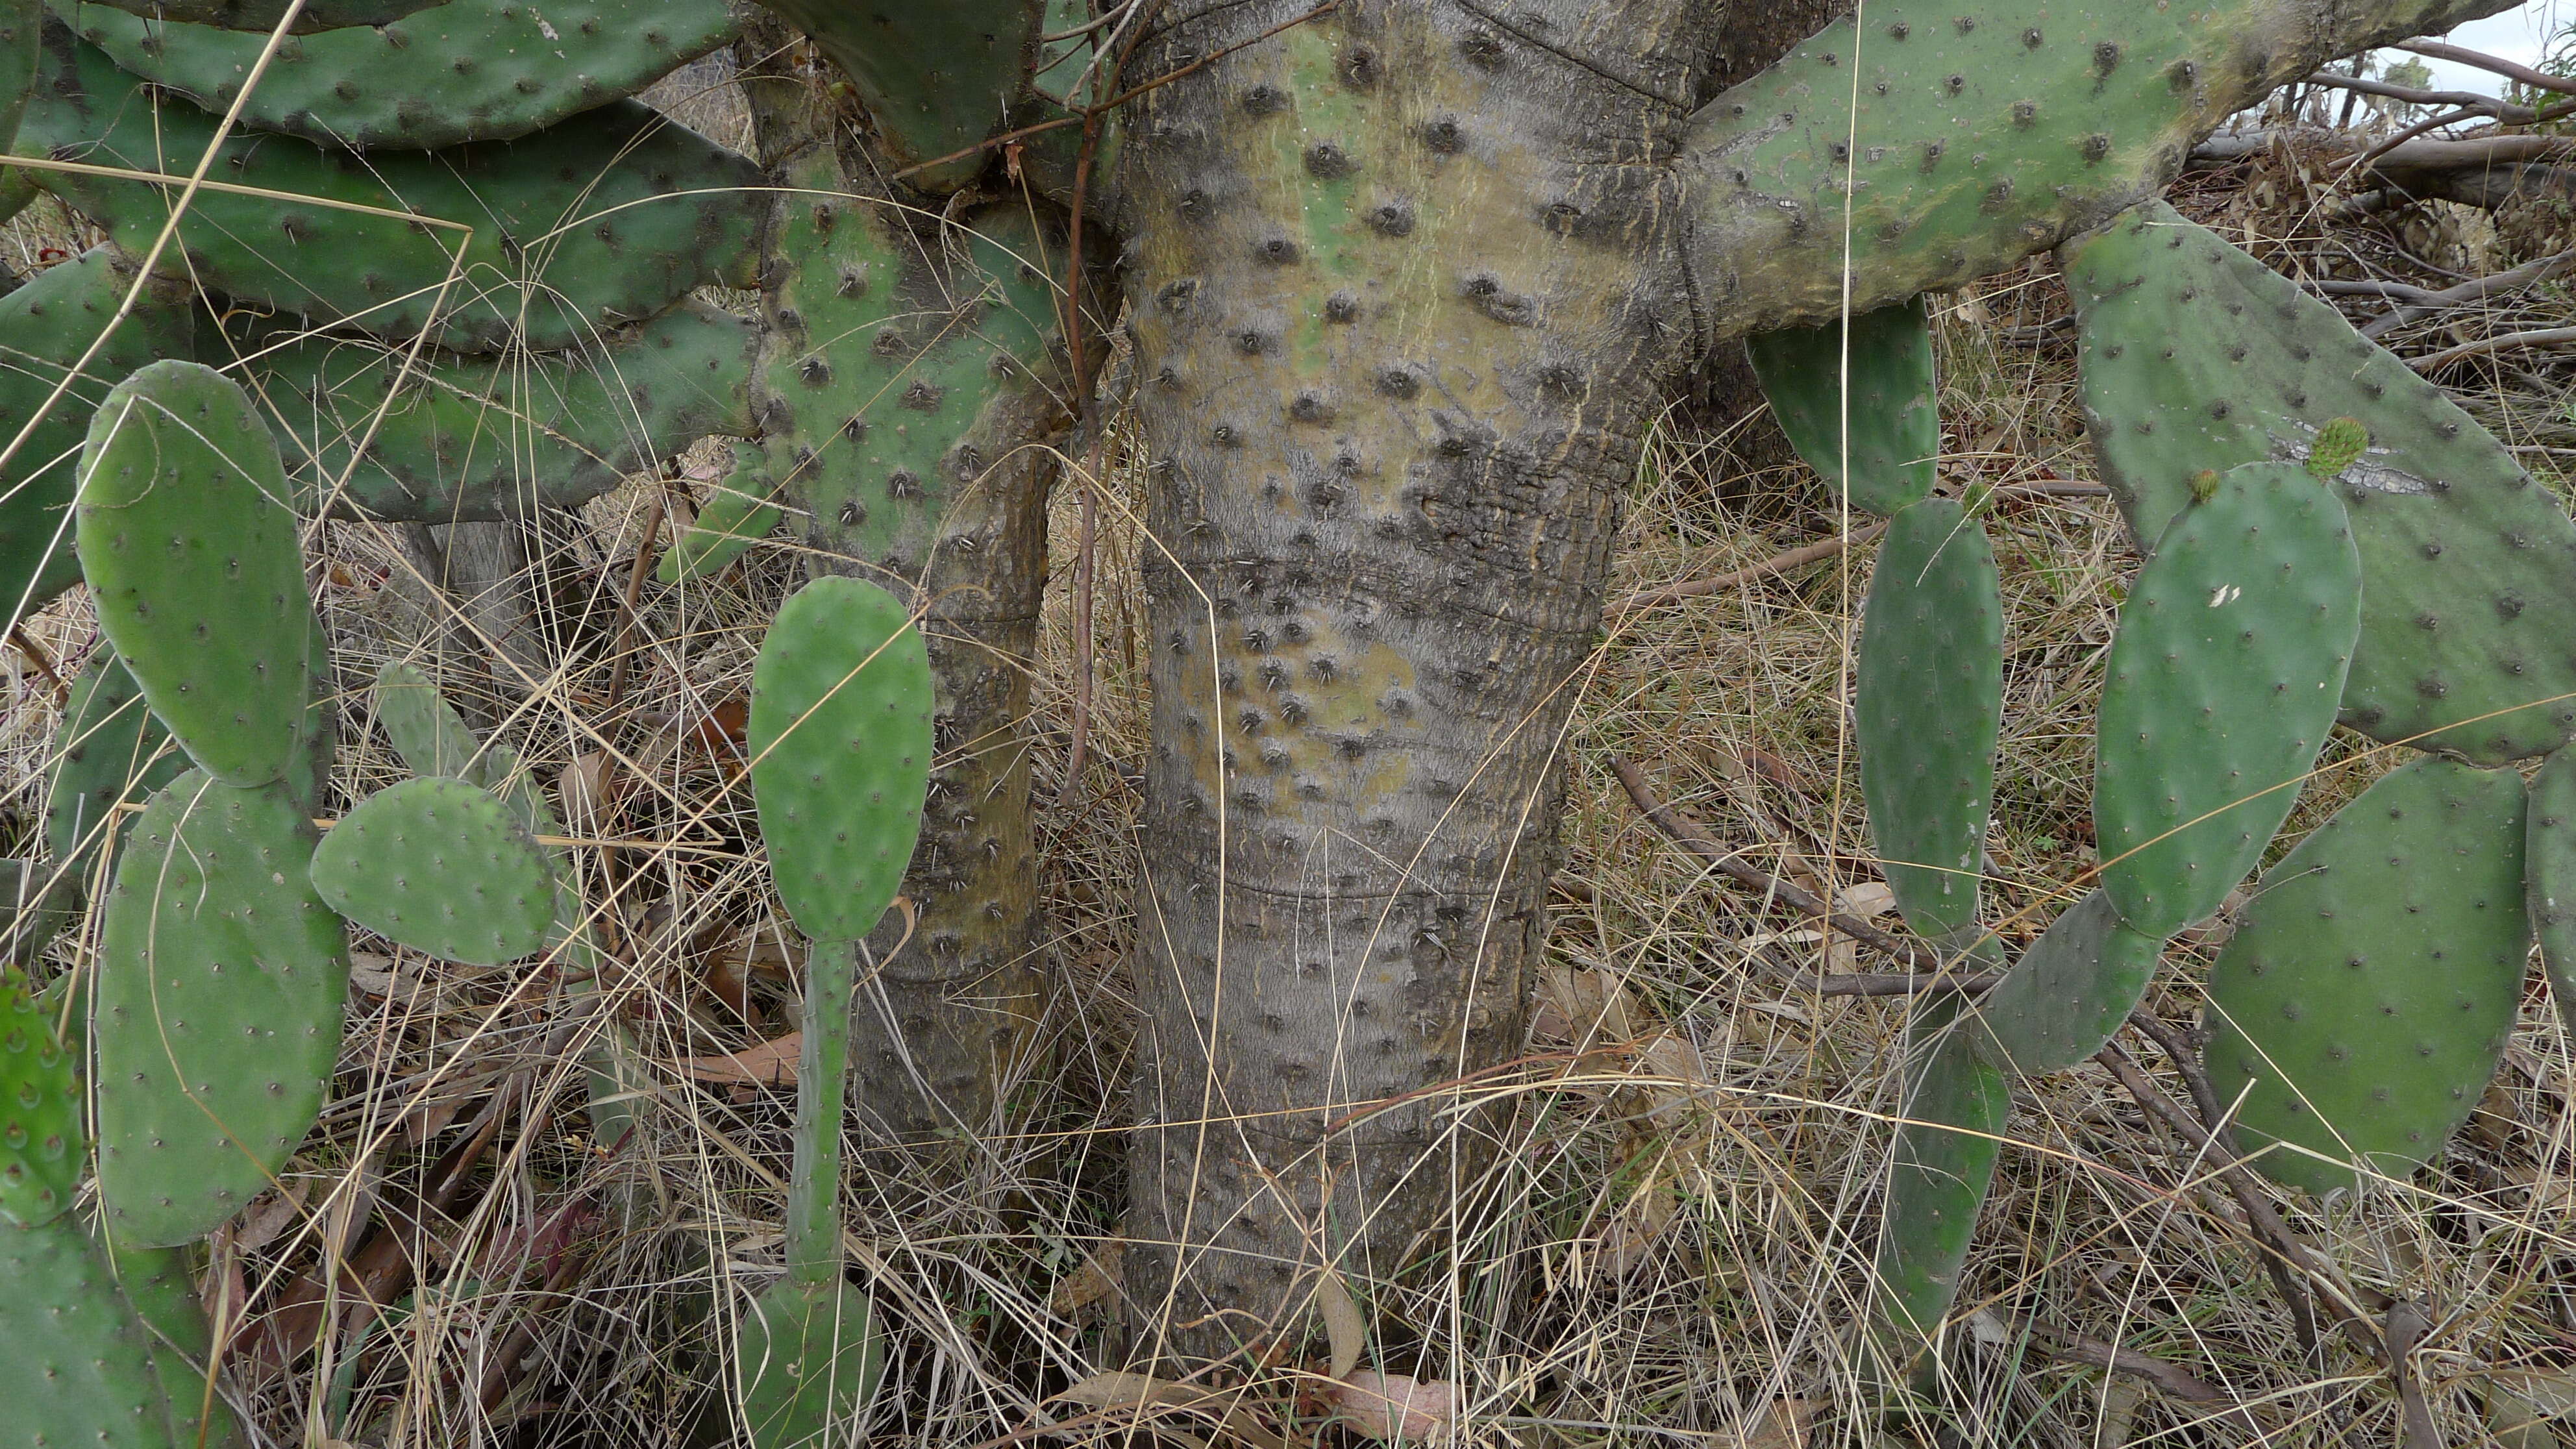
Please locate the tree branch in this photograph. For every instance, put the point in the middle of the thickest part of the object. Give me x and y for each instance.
(1928, 149)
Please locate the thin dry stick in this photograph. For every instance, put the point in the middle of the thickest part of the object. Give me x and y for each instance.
(1656, 598)
(1085, 561)
(36, 656)
(1700, 843)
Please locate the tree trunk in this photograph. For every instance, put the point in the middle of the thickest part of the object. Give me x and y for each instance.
(1404, 302)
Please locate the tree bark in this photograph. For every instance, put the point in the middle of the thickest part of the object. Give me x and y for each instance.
(1405, 298)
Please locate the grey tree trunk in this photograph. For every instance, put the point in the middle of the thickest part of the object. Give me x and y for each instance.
(1405, 296)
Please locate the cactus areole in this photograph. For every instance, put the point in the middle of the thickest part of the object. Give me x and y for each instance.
(1406, 286)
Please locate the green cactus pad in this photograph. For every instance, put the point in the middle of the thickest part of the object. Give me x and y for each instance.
(899, 365)
(40, 1110)
(810, 1358)
(737, 514)
(441, 867)
(2222, 685)
(220, 985)
(601, 221)
(2549, 863)
(1930, 707)
(262, 15)
(2069, 993)
(840, 747)
(1955, 1110)
(1894, 411)
(467, 439)
(935, 79)
(110, 750)
(36, 902)
(432, 738)
(158, 1285)
(191, 550)
(2470, 567)
(465, 70)
(2368, 991)
(79, 1366)
(44, 327)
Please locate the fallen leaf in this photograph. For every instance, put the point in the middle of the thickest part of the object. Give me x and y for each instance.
(1870, 900)
(1086, 1285)
(1784, 1424)
(770, 1064)
(271, 1214)
(2551, 1391)
(583, 786)
(1394, 1408)
(1141, 1392)
(1633, 1229)
(1344, 1328)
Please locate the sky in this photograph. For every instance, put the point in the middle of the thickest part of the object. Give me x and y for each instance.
(2515, 35)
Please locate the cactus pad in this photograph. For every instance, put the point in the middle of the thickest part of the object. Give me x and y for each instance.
(737, 514)
(2069, 993)
(2222, 685)
(190, 547)
(603, 220)
(441, 867)
(810, 1359)
(110, 750)
(840, 746)
(2368, 991)
(901, 367)
(44, 327)
(2469, 566)
(220, 984)
(464, 70)
(1955, 1110)
(2549, 865)
(476, 438)
(935, 78)
(1894, 410)
(1930, 707)
(163, 1294)
(40, 1109)
(79, 1366)
(262, 15)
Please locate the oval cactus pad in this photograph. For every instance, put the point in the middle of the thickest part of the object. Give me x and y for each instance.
(442, 867)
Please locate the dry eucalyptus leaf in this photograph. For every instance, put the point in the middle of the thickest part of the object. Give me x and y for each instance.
(1395, 1408)
(1344, 1328)
(765, 1064)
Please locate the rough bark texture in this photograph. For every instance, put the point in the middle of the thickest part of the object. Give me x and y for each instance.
(910, 402)
(1405, 294)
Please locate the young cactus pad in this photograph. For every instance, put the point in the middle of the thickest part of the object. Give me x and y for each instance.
(2367, 993)
(1893, 413)
(221, 979)
(2471, 566)
(737, 514)
(2222, 684)
(1930, 708)
(40, 1105)
(840, 745)
(441, 867)
(810, 1358)
(2070, 991)
(190, 547)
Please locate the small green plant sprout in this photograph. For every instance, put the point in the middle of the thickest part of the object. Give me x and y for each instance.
(2339, 445)
(841, 745)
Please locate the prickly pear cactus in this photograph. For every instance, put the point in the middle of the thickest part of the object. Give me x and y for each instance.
(1954, 1113)
(840, 745)
(2470, 565)
(221, 979)
(79, 1367)
(465, 70)
(2070, 992)
(2549, 861)
(738, 513)
(1930, 708)
(442, 867)
(40, 1105)
(110, 751)
(192, 553)
(2222, 684)
(810, 1359)
(2367, 993)
(44, 327)
(1886, 424)
(602, 220)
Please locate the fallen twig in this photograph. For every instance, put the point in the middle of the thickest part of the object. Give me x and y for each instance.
(2505, 342)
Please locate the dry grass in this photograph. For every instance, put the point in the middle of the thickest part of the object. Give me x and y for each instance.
(1672, 1249)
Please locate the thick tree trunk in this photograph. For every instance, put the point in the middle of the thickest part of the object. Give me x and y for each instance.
(1404, 302)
